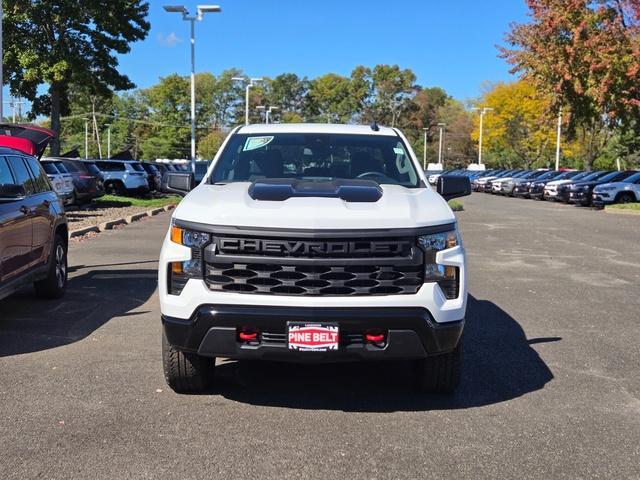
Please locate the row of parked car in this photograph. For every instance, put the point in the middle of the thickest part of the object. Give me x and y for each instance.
(586, 188)
(79, 181)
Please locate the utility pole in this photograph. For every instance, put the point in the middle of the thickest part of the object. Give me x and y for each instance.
(424, 159)
(202, 9)
(252, 83)
(558, 140)
(441, 126)
(95, 127)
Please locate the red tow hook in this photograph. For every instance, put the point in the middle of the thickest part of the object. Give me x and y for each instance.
(374, 337)
(248, 336)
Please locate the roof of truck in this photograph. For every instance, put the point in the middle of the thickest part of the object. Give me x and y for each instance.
(331, 128)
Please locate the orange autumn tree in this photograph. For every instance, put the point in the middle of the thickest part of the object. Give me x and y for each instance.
(585, 55)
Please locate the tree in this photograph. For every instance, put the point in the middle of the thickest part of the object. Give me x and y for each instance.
(587, 55)
(210, 144)
(64, 42)
(227, 95)
(331, 100)
(391, 92)
(518, 130)
(287, 92)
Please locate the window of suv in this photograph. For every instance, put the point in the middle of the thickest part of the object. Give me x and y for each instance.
(111, 166)
(136, 167)
(40, 179)
(22, 175)
(62, 168)
(5, 174)
(92, 168)
(316, 157)
(50, 168)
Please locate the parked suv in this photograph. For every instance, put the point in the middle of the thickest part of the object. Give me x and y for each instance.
(61, 181)
(123, 177)
(314, 243)
(87, 185)
(33, 226)
(625, 191)
(154, 176)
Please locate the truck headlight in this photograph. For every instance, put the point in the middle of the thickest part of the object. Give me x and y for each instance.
(181, 272)
(447, 277)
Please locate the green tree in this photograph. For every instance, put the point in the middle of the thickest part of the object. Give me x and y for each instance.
(587, 55)
(60, 43)
(330, 99)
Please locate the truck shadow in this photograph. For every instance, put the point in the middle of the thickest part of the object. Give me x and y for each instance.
(499, 365)
(92, 299)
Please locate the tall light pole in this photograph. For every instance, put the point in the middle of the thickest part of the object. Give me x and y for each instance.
(261, 108)
(483, 112)
(271, 109)
(86, 138)
(252, 83)
(201, 10)
(558, 140)
(108, 141)
(441, 126)
(424, 158)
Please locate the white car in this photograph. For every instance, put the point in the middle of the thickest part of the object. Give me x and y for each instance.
(626, 191)
(313, 243)
(61, 180)
(123, 177)
(551, 189)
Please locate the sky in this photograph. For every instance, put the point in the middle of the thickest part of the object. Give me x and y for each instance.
(450, 44)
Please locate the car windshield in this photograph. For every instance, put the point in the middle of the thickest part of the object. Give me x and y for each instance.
(549, 175)
(536, 174)
(610, 176)
(580, 176)
(593, 176)
(137, 167)
(316, 157)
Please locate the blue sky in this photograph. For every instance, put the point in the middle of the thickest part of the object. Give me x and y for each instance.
(451, 44)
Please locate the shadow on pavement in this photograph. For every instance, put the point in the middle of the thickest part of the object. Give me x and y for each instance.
(92, 299)
(499, 365)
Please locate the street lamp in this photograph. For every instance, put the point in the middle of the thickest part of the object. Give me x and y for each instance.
(252, 83)
(86, 138)
(441, 126)
(483, 112)
(108, 141)
(201, 10)
(271, 109)
(559, 139)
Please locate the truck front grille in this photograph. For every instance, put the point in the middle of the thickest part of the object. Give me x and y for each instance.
(304, 267)
(278, 279)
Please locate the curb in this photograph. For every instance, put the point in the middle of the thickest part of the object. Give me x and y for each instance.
(119, 221)
(83, 231)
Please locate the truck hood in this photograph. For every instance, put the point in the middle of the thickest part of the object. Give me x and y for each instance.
(231, 205)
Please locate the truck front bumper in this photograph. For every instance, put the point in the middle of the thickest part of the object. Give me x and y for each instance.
(409, 332)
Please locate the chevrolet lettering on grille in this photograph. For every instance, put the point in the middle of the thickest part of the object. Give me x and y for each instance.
(306, 248)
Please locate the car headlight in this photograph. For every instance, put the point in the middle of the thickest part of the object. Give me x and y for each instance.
(447, 277)
(605, 189)
(181, 272)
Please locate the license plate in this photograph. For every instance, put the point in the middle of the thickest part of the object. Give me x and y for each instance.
(312, 337)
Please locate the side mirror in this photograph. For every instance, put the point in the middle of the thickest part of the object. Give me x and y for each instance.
(453, 186)
(180, 183)
(12, 192)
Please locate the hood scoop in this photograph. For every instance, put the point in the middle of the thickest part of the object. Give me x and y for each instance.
(280, 189)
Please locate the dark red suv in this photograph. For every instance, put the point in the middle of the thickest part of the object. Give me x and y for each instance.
(33, 226)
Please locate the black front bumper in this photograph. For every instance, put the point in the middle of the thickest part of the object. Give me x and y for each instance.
(582, 197)
(410, 332)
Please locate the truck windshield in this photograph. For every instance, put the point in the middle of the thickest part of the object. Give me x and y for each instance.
(316, 157)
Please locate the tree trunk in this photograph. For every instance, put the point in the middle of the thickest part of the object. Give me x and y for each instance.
(54, 92)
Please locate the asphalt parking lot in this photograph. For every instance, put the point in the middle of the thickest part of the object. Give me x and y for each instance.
(550, 389)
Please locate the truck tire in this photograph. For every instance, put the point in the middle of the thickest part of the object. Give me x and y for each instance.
(55, 283)
(439, 374)
(186, 372)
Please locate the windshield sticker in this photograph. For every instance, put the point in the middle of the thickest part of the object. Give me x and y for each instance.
(399, 151)
(254, 143)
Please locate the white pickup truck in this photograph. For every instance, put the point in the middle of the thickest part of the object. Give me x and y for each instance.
(313, 243)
